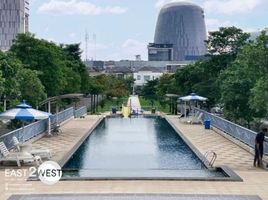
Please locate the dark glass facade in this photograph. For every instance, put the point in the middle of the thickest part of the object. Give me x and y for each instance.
(183, 25)
(160, 52)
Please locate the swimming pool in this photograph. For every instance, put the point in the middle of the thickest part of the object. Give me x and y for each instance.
(136, 148)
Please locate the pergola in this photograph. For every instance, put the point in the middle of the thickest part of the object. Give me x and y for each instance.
(53, 100)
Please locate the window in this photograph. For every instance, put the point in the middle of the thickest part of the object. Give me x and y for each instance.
(139, 77)
(146, 78)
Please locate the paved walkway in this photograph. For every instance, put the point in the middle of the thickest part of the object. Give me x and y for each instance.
(227, 152)
(255, 180)
(134, 102)
(73, 133)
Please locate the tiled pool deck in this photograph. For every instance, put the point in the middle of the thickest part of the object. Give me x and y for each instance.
(255, 180)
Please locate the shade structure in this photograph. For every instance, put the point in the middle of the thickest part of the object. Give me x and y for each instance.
(24, 112)
(193, 97)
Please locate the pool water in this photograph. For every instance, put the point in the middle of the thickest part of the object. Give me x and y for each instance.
(135, 147)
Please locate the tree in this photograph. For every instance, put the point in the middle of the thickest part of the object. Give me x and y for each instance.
(42, 56)
(19, 82)
(149, 91)
(244, 83)
(30, 86)
(226, 41)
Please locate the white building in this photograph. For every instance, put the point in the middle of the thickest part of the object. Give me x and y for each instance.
(14, 19)
(145, 74)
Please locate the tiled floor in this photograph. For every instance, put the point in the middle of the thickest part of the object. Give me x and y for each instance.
(255, 180)
(227, 152)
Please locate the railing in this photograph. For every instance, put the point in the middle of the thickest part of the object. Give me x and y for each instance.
(241, 133)
(35, 129)
(80, 112)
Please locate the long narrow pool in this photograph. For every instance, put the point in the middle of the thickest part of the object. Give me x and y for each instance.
(136, 147)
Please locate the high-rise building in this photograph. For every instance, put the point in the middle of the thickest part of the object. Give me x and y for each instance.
(182, 25)
(14, 19)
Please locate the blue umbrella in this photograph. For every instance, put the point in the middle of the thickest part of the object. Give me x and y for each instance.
(24, 112)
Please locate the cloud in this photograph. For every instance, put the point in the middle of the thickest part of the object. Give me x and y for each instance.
(215, 24)
(133, 47)
(161, 3)
(231, 7)
(228, 7)
(77, 7)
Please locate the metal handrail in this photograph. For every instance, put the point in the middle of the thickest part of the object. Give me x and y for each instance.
(213, 158)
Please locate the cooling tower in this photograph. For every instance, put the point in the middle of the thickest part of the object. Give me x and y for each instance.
(182, 24)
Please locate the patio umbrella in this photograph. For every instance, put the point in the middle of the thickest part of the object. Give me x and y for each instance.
(192, 97)
(24, 112)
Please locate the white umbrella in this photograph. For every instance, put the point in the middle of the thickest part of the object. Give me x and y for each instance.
(192, 97)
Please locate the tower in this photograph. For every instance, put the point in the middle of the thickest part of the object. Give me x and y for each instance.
(180, 33)
(14, 19)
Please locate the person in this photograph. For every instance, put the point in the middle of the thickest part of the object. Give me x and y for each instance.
(260, 138)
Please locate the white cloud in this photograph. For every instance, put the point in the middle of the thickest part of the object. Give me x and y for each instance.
(72, 35)
(231, 7)
(161, 3)
(77, 7)
(132, 47)
(215, 24)
(228, 7)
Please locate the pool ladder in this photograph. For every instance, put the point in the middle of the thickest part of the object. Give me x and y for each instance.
(213, 157)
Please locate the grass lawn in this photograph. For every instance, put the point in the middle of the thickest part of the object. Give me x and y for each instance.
(109, 103)
(146, 105)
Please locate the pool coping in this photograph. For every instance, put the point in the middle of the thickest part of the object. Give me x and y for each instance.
(231, 175)
(65, 159)
(228, 171)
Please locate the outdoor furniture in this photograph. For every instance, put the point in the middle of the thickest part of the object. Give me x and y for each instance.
(197, 119)
(17, 157)
(43, 153)
(56, 130)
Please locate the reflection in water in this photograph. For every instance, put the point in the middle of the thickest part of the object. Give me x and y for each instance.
(137, 143)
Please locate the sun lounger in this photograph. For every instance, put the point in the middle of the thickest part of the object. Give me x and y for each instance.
(196, 119)
(43, 153)
(17, 157)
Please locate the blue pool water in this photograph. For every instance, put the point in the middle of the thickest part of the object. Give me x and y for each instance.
(136, 146)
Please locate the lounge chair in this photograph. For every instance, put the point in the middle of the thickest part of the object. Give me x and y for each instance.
(197, 119)
(17, 157)
(43, 153)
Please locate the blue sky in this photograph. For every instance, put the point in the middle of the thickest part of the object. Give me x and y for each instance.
(123, 28)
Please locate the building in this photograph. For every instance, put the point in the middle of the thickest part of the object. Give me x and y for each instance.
(145, 74)
(14, 19)
(160, 52)
(181, 24)
(134, 65)
(119, 72)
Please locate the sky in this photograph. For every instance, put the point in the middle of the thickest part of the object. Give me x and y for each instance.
(123, 28)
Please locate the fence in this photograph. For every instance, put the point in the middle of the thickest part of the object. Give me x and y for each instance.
(241, 133)
(80, 112)
(35, 129)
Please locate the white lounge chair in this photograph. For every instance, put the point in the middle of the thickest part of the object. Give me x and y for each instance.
(17, 156)
(196, 119)
(43, 153)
